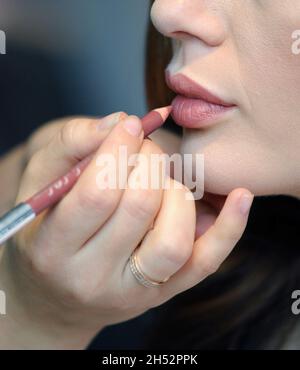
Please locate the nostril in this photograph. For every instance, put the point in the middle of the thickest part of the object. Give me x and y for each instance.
(180, 35)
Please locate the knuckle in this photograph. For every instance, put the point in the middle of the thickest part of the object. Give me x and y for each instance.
(97, 199)
(34, 251)
(234, 236)
(228, 232)
(67, 133)
(83, 288)
(142, 204)
(33, 166)
(73, 130)
(43, 262)
(80, 290)
(176, 250)
(207, 266)
(42, 136)
(34, 161)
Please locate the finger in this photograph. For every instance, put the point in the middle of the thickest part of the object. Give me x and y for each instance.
(211, 249)
(135, 214)
(88, 206)
(168, 246)
(73, 142)
(42, 137)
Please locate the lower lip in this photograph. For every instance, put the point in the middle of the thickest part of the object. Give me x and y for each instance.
(196, 113)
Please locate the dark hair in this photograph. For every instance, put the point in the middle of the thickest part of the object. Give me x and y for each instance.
(247, 303)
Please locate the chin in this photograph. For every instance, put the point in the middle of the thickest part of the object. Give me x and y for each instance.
(228, 166)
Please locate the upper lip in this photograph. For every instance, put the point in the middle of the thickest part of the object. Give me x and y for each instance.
(185, 86)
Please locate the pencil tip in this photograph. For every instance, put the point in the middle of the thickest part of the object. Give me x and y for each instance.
(164, 112)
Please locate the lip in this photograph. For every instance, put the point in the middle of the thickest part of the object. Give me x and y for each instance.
(195, 106)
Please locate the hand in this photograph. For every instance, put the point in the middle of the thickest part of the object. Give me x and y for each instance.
(67, 273)
(13, 163)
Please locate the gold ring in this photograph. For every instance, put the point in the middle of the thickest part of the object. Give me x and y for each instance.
(141, 277)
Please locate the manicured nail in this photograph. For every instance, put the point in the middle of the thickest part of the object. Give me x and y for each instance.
(245, 203)
(111, 120)
(133, 126)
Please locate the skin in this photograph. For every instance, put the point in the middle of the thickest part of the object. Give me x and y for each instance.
(257, 146)
(67, 279)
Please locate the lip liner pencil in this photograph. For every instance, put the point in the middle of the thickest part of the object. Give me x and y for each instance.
(25, 212)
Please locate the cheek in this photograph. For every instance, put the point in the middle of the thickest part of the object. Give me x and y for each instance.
(273, 87)
(270, 73)
(260, 149)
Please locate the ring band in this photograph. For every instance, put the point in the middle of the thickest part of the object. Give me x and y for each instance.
(139, 275)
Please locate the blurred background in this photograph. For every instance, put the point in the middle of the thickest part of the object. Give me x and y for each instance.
(69, 57)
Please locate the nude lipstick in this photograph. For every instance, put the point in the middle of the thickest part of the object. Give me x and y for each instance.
(195, 106)
(25, 212)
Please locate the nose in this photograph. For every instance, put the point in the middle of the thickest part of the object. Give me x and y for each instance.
(181, 19)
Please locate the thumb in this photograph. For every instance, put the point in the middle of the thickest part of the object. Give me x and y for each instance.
(77, 139)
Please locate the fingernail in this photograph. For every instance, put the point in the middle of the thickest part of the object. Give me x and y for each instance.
(245, 203)
(133, 126)
(111, 120)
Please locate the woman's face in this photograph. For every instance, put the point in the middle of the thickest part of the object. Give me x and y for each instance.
(248, 124)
